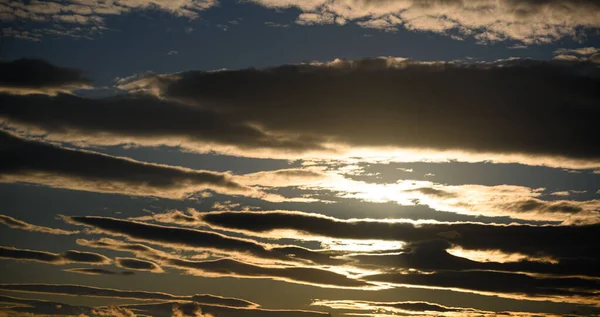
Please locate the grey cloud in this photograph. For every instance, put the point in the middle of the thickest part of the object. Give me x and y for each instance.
(379, 103)
(37, 162)
(70, 256)
(503, 284)
(228, 267)
(431, 256)
(26, 76)
(174, 237)
(523, 239)
(19, 224)
(25, 307)
(97, 271)
(81, 290)
(118, 120)
(191, 310)
(137, 264)
(394, 99)
(397, 307)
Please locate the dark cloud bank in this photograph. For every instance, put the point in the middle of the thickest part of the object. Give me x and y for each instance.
(38, 162)
(505, 107)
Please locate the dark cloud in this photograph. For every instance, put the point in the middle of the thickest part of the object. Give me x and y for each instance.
(397, 307)
(192, 310)
(97, 271)
(25, 307)
(36, 162)
(175, 237)
(381, 103)
(524, 239)
(137, 264)
(442, 106)
(38, 76)
(564, 289)
(81, 290)
(70, 256)
(431, 256)
(19, 224)
(228, 267)
(141, 119)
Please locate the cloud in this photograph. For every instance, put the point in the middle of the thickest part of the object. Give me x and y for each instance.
(192, 310)
(33, 307)
(116, 120)
(36, 162)
(85, 18)
(283, 177)
(304, 275)
(81, 290)
(392, 307)
(405, 120)
(528, 21)
(70, 256)
(136, 264)
(34, 76)
(178, 238)
(19, 224)
(439, 255)
(585, 51)
(561, 289)
(97, 271)
(139, 250)
(523, 239)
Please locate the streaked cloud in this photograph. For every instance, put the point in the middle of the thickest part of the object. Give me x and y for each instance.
(19, 224)
(70, 256)
(406, 122)
(202, 240)
(97, 271)
(524, 239)
(137, 264)
(82, 290)
(91, 171)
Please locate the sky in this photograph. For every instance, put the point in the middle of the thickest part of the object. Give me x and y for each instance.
(299, 158)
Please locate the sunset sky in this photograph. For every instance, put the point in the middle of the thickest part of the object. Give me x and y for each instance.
(299, 158)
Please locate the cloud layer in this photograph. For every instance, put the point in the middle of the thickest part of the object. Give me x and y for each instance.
(414, 111)
(42, 163)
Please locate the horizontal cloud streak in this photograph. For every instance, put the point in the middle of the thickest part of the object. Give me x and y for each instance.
(81, 290)
(174, 237)
(393, 99)
(139, 265)
(96, 271)
(70, 256)
(19, 224)
(524, 239)
(36, 162)
(305, 275)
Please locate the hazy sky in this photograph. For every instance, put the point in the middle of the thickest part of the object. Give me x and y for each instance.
(299, 158)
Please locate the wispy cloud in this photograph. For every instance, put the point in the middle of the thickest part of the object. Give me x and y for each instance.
(70, 256)
(19, 224)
